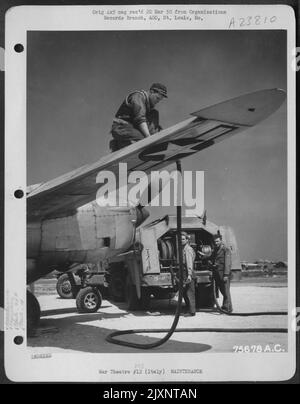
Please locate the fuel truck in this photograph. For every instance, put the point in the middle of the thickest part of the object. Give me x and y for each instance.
(149, 270)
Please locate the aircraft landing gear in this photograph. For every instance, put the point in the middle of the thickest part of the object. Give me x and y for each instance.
(33, 313)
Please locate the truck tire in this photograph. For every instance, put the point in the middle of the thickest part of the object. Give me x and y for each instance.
(64, 288)
(133, 303)
(116, 286)
(33, 312)
(204, 296)
(145, 299)
(88, 300)
(162, 294)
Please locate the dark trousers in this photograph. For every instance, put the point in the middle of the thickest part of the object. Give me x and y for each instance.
(189, 296)
(224, 288)
(124, 135)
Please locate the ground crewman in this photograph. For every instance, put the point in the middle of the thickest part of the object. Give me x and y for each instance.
(137, 118)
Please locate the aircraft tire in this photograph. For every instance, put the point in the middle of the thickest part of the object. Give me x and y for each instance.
(33, 312)
(88, 300)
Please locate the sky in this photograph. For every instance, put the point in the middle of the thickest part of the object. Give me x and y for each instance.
(77, 80)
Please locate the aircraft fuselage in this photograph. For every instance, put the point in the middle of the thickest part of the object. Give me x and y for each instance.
(91, 234)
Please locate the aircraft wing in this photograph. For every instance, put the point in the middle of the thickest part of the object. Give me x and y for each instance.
(63, 195)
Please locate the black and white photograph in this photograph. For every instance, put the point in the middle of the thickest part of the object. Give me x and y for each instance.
(153, 187)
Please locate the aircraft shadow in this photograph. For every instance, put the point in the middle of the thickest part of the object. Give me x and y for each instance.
(82, 318)
(54, 312)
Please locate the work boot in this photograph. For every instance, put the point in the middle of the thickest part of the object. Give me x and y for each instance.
(228, 310)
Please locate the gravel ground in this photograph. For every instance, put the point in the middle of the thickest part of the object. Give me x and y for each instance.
(63, 329)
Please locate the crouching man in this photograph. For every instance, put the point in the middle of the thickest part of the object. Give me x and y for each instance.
(137, 119)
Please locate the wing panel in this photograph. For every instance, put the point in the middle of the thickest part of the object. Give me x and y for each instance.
(63, 195)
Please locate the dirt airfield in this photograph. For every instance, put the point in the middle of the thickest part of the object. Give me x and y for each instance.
(63, 329)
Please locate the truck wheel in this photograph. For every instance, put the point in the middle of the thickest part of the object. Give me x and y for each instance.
(145, 299)
(133, 303)
(33, 312)
(164, 294)
(116, 286)
(204, 296)
(88, 300)
(64, 287)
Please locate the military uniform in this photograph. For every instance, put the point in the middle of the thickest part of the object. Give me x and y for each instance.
(222, 261)
(135, 110)
(189, 289)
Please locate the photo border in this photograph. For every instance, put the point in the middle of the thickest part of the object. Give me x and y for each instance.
(16, 73)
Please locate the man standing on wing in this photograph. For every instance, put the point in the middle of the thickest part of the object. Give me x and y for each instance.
(137, 118)
(222, 260)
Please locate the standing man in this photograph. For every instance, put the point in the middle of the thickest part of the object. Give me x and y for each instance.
(137, 118)
(222, 260)
(189, 275)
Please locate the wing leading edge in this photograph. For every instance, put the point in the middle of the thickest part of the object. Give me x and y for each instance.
(63, 195)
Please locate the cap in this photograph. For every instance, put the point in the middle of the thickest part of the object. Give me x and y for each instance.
(218, 235)
(159, 88)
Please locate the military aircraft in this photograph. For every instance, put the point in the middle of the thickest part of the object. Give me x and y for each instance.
(65, 225)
